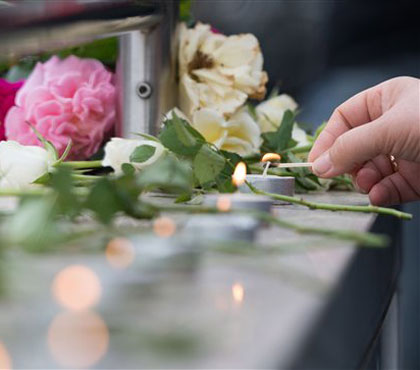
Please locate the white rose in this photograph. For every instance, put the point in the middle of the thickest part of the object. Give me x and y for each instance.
(21, 165)
(194, 96)
(240, 134)
(118, 152)
(270, 115)
(217, 71)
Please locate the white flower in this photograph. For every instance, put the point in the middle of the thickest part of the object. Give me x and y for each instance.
(240, 134)
(118, 152)
(270, 114)
(21, 165)
(217, 71)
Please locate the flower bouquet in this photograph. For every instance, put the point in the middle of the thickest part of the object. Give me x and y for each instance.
(54, 124)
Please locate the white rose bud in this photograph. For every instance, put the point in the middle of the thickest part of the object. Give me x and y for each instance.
(21, 165)
(118, 151)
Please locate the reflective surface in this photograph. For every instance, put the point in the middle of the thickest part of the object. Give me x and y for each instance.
(179, 302)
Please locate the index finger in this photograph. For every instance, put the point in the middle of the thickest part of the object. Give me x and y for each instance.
(358, 110)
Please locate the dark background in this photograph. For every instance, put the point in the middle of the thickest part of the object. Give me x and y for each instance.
(322, 53)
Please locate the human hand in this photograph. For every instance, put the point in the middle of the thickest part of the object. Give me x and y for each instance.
(365, 131)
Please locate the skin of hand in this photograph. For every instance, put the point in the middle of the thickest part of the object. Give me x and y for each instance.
(364, 131)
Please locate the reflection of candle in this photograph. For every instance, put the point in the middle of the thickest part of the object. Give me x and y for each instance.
(225, 227)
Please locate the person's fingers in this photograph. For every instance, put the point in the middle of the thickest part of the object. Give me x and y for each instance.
(394, 189)
(372, 172)
(358, 110)
(353, 148)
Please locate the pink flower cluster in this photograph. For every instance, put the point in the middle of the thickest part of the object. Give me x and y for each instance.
(8, 91)
(65, 99)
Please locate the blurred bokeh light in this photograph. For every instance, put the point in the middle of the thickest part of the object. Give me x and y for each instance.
(78, 339)
(76, 287)
(120, 253)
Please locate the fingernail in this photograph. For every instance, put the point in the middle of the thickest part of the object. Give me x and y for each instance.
(322, 165)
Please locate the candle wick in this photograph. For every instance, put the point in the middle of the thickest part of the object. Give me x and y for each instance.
(266, 169)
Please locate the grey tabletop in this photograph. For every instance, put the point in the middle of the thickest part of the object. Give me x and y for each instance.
(200, 308)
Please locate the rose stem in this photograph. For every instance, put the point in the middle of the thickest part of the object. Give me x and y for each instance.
(82, 164)
(364, 238)
(333, 207)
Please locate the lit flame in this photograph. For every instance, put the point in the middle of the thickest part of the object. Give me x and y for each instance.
(5, 360)
(239, 175)
(238, 293)
(119, 253)
(271, 157)
(164, 227)
(76, 288)
(78, 339)
(224, 204)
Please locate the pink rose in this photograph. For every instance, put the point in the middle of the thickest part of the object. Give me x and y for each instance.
(8, 91)
(65, 99)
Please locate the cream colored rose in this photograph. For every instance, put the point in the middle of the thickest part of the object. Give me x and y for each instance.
(240, 134)
(270, 114)
(21, 165)
(118, 152)
(217, 71)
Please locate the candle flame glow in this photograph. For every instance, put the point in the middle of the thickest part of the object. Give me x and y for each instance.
(76, 288)
(239, 175)
(164, 227)
(5, 360)
(271, 157)
(119, 253)
(78, 339)
(238, 293)
(224, 203)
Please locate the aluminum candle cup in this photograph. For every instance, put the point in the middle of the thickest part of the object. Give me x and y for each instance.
(224, 202)
(272, 184)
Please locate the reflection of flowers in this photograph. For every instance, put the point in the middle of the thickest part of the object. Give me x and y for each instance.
(21, 165)
(239, 134)
(217, 71)
(65, 99)
(270, 114)
(118, 152)
(8, 91)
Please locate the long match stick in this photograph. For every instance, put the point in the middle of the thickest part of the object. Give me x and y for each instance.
(290, 165)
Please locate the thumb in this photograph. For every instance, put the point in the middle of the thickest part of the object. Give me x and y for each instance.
(353, 148)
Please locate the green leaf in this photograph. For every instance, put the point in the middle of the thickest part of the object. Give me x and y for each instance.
(168, 174)
(128, 169)
(180, 138)
(183, 198)
(32, 226)
(207, 164)
(67, 201)
(185, 13)
(104, 201)
(142, 153)
(280, 140)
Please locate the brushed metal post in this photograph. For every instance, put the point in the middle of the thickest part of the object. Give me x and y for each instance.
(146, 75)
